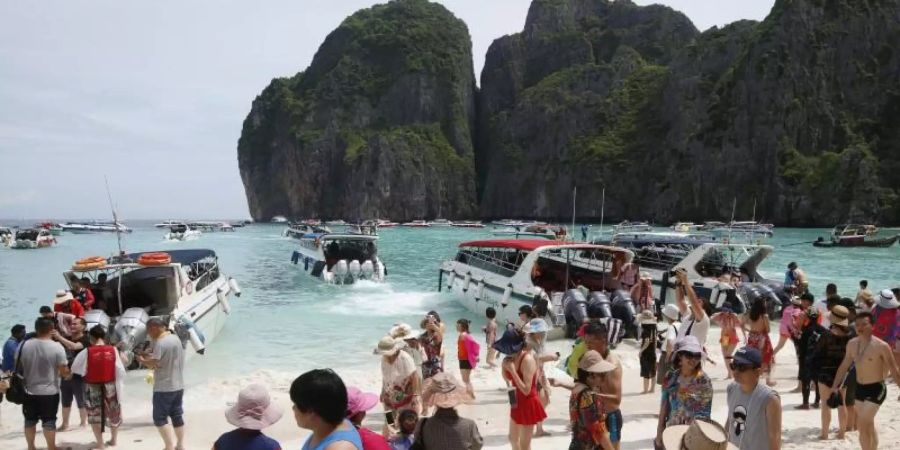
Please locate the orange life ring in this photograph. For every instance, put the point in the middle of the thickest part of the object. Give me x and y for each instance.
(89, 263)
(154, 259)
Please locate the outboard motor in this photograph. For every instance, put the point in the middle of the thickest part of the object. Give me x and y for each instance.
(575, 308)
(751, 292)
(96, 317)
(623, 309)
(773, 302)
(367, 269)
(354, 269)
(777, 287)
(130, 330)
(340, 271)
(599, 306)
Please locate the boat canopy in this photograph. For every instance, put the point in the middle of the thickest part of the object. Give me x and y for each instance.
(183, 257)
(525, 245)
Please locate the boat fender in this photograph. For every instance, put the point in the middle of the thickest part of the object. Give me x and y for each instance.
(194, 335)
(295, 257)
(441, 280)
(233, 284)
(507, 293)
(306, 264)
(479, 291)
(466, 280)
(222, 296)
(189, 288)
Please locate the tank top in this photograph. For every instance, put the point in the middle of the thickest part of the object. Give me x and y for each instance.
(350, 435)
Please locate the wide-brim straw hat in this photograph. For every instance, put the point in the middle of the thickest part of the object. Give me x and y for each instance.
(62, 297)
(402, 331)
(840, 316)
(592, 361)
(647, 317)
(388, 346)
(699, 435)
(887, 300)
(254, 409)
(445, 391)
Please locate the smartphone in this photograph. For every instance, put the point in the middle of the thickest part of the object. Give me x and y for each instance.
(389, 417)
(511, 392)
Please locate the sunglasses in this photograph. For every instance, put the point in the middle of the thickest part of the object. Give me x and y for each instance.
(741, 367)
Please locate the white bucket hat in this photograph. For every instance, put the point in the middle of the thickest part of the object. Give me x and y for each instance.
(699, 435)
(887, 300)
(670, 311)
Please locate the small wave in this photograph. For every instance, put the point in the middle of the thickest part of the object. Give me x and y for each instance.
(374, 299)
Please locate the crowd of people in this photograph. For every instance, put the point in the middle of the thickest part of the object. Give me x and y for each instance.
(845, 348)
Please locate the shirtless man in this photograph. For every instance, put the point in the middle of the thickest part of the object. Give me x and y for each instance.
(873, 359)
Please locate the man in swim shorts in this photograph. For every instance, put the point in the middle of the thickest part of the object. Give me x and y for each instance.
(871, 358)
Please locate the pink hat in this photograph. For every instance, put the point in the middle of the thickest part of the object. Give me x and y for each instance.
(359, 401)
(254, 409)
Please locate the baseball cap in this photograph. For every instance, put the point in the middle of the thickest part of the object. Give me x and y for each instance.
(748, 356)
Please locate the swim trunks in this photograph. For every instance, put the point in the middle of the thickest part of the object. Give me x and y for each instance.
(874, 393)
(614, 425)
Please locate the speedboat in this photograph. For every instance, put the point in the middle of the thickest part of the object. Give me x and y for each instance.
(184, 288)
(53, 228)
(7, 236)
(467, 224)
(507, 273)
(335, 223)
(279, 219)
(183, 232)
(340, 258)
(168, 223)
(384, 223)
(416, 224)
(685, 227)
(856, 236)
(625, 226)
(532, 231)
(299, 229)
(209, 227)
(748, 229)
(95, 227)
(441, 223)
(30, 238)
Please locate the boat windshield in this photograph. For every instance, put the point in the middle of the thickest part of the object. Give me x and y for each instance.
(559, 269)
(350, 250)
(727, 258)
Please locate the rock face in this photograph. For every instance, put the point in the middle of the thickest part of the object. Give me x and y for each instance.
(380, 124)
(797, 114)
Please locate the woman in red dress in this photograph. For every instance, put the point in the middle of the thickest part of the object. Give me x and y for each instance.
(521, 369)
(757, 321)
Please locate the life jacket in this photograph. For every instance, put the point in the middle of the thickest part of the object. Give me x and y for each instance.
(101, 364)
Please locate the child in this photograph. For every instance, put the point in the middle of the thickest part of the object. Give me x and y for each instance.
(490, 335)
(404, 439)
(253, 411)
(729, 322)
(648, 350)
(467, 350)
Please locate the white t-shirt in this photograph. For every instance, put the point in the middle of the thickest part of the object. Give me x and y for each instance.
(822, 307)
(698, 329)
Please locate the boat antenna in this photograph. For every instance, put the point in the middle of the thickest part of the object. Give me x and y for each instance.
(602, 208)
(731, 223)
(574, 198)
(114, 215)
(754, 209)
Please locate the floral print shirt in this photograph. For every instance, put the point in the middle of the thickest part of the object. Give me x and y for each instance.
(588, 417)
(687, 401)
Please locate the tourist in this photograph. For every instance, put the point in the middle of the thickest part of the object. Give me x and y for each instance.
(103, 374)
(699, 435)
(628, 275)
(73, 387)
(829, 353)
(757, 322)
(786, 329)
(872, 359)
(320, 405)
(754, 409)
(467, 352)
(695, 322)
(62, 322)
(865, 300)
(446, 430)
(535, 338)
(729, 322)
(432, 341)
(167, 362)
(810, 334)
(66, 303)
(795, 280)
(82, 293)
(43, 363)
(642, 293)
(687, 390)
(521, 369)
(587, 409)
(886, 320)
(670, 315)
(358, 403)
(648, 350)
(103, 293)
(490, 335)
(406, 427)
(526, 313)
(399, 379)
(10, 347)
(413, 348)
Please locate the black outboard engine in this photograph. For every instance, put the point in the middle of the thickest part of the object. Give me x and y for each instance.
(623, 309)
(599, 306)
(750, 292)
(575, 309)
(777, 287)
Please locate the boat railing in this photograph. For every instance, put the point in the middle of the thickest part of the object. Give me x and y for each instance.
(487, 262)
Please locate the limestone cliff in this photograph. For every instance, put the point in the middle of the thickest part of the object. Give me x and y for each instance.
(380, 124)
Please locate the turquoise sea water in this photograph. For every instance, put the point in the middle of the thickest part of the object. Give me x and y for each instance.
(288, 321)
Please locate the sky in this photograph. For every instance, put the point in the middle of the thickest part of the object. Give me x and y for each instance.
(152, 95)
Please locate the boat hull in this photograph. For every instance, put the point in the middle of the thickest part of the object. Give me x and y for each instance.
(206, 311)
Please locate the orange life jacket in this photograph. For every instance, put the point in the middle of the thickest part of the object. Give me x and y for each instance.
(101, 364)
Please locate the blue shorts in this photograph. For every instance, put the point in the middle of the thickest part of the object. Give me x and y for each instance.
(166, 405)
(614, 425)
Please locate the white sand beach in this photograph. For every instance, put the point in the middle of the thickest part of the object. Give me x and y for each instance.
(205, 406)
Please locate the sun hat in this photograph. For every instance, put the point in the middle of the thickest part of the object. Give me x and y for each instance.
(887, 300)
(646, 276)
(388, 346)
(62, 297)
(646, 317)
(510, 343)
(402, 331)
(839, 316)
(593, 362)
(748, 356)
(359, 401)
(254, 409)
(444, 391)
(688, 344)
(537, 325)
(699, 435)
(670, 311)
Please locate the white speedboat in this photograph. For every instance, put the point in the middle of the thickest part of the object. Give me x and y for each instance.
(441, 223)
(168, 223)
(30, 238)
(626, 226)
(7, 235)
(532, 231)
(468, 224)
(336, 223)
(210, 226)
(300, 229)
(384, 223)
(749, 229)
(184, 288)
(279, 219)
(507, 273)
(685, 227)
(95, 227)
(183, 232)
(340, 258)
(416, 224)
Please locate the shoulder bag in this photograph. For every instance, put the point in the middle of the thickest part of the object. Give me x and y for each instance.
(16, 392)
